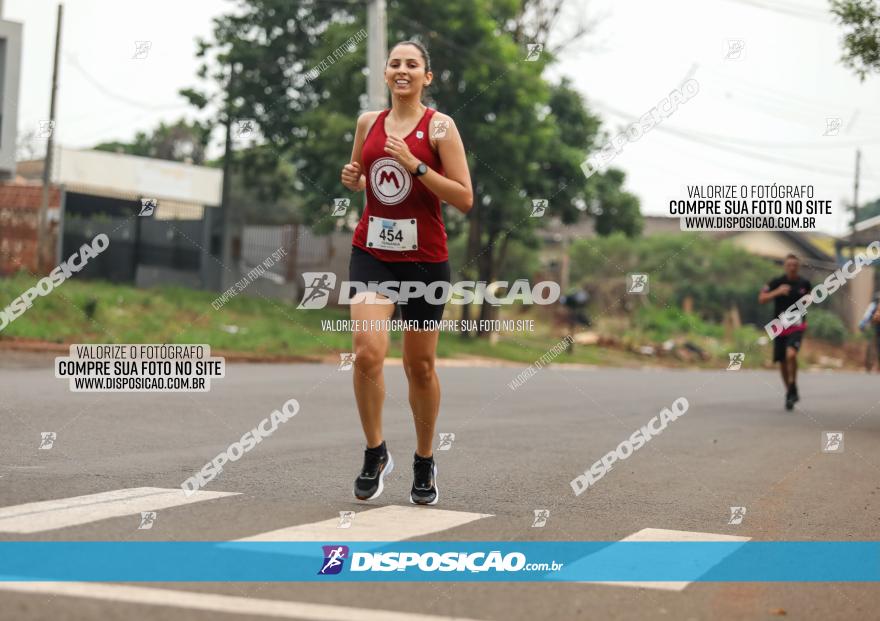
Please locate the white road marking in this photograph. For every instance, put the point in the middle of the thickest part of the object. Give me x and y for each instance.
(391, 523)
(35, 517)
(661, 534)
(249, 606)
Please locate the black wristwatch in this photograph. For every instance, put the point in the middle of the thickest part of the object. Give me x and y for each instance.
(420, 170)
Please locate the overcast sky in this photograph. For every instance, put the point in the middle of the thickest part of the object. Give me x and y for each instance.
(757, 118)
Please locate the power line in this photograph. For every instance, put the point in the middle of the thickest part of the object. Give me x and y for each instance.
(695, 137)
(765, 94)
(785, 113)
(825, 144)
(132, 102)
(707, 141)
(793, 10)
(775, 92)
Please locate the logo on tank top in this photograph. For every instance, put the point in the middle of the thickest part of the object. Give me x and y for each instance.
(390, 181)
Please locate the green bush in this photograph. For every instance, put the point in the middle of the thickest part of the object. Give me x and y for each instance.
(521, 261)
(715, 274)
(826, 326)
(663, 323)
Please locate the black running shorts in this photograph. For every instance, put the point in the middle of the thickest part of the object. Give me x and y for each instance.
(366, 268)
(783, 342)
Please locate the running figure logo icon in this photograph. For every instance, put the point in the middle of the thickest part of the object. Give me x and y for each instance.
(334, 559)
(46, 129)
(736, 515)
(539, 206)
(47, 439)
(534, 51)
(832, 441)
(148, 207)
(346, 360)
(141, 49)
(148, 518)
(735, 49)
(446, 440)
(345, 519)
(390, 182)
(439, 130)
(318, 292)
(340, 206)
(541, 517)
(245, 126)
(736, 361)
(832, 126)
(637, 283)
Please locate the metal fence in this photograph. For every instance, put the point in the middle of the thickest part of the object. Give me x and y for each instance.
(305, 252)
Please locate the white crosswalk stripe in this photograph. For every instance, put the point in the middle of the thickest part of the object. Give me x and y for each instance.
(35, 517)
(661, 534)
(390, 523)
(228, 604)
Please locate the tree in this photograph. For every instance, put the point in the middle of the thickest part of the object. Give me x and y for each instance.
(525, 136)
(182, 141)
(271, 45)
(861, 40)
(675, 275)
(28, 146)
(617, 210)
(870, 210)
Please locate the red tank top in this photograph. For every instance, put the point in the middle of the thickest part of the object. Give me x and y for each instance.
(393, 193)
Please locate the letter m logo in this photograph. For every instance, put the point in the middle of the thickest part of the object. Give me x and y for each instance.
(386, 176)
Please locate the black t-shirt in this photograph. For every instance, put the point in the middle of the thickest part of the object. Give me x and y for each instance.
(799, 287)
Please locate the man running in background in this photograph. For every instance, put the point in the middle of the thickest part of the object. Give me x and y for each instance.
(785, 290)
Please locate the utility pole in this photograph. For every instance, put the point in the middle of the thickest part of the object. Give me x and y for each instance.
(377, 50)
(50, 145)
(564, 267)
(855, 205)
(225, 207)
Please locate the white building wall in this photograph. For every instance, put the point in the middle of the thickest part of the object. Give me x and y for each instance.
(143, 176)
(10, 71)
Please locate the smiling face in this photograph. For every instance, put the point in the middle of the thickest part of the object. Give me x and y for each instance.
(405, 72)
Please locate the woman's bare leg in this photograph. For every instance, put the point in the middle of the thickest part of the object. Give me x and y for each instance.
(419, 354)
(370, 348)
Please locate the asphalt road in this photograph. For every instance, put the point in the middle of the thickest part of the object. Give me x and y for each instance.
(514, 452)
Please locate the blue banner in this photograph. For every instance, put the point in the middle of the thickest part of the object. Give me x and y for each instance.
(441, 561)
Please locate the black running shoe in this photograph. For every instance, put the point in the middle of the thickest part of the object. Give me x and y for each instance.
(794, 393)
(370, 481)
(790, 398)
(424, 490)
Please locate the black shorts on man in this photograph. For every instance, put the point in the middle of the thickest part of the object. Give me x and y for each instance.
(784, 341)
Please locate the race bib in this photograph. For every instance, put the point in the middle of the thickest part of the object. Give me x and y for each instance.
(398, 235)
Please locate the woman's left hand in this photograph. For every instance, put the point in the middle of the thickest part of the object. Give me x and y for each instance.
(399, 150)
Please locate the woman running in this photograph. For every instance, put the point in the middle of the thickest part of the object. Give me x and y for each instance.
(408, 158)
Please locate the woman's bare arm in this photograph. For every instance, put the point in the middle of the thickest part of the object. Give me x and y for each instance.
(352, 173)
(455, 187)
